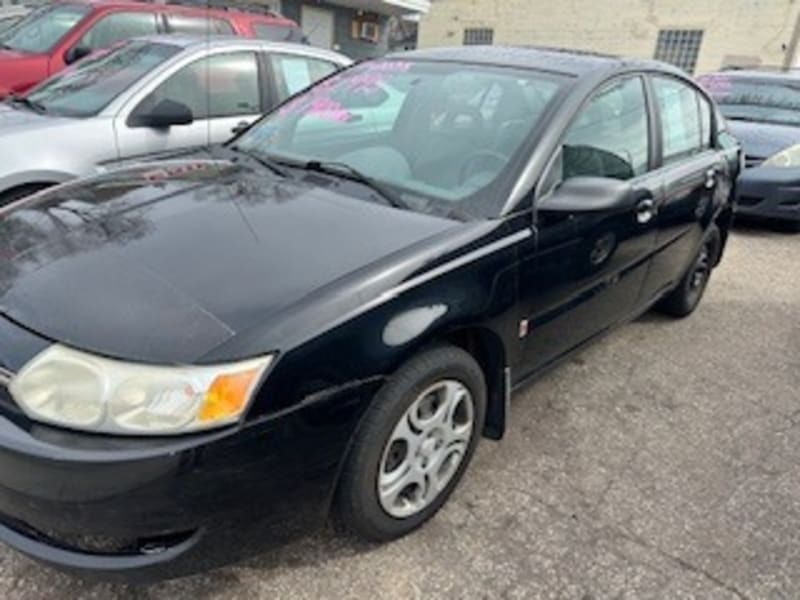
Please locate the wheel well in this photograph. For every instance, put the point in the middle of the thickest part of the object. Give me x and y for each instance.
(22, 190)
(487, 349)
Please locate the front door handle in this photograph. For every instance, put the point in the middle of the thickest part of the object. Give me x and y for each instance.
(645, 211)
(240, 127)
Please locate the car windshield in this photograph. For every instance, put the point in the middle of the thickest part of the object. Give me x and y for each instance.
(87, 88)
(41, 30)
(440, 136)
(763, 100)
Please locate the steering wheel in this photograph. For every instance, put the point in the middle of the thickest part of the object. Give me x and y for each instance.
(477, 157)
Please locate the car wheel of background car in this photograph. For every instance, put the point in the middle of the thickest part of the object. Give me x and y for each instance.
(413, 446)
(20, 192)
(685, 298)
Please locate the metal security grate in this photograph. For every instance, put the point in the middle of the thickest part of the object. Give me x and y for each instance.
(481, 36)
(679, 47)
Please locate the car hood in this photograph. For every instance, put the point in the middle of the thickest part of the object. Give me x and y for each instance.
(164, 263)
(762, 140)
(19, 70)
(20, 120)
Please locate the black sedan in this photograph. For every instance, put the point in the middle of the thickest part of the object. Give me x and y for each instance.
(208, 354)
(763, 109)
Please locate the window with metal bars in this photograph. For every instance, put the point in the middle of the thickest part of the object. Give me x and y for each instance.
(679, 47)
(479, 36)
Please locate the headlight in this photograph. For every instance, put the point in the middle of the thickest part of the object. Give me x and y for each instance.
(785, 158)
(74, 389)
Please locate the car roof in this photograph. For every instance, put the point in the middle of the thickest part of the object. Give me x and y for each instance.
(574, 63)
(175, 6)
(193, 42)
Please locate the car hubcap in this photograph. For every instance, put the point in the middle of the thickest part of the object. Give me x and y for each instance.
(426, 448)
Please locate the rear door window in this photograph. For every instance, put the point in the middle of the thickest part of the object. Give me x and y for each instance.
(682, 128)
(610, 137)
(198, 25)
(118, 27)
(293, 74)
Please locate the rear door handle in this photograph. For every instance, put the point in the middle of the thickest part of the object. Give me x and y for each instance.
(645, 211)
(711, 178)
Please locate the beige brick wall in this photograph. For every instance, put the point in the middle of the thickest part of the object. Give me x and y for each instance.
(736, 31)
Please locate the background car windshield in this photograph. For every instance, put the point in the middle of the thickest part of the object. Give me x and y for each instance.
(762, 100)
(88, 88)
(442, 134)
(43, 29)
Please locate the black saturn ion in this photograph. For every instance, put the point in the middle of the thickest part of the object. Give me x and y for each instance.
(210, 353)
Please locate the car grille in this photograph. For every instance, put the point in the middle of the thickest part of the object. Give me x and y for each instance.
(750, 200)
(753, 161)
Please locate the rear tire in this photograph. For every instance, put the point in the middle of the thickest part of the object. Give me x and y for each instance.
(18, 193)
(686, 297)
(413, 446)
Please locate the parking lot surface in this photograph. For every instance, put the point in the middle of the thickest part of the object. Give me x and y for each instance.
(663, 462)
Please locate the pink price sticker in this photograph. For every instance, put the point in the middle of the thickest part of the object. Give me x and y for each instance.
(716, 85)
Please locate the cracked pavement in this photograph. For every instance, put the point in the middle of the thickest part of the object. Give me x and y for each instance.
(662, 462)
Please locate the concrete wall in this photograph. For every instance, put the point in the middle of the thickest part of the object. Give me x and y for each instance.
(736, 31)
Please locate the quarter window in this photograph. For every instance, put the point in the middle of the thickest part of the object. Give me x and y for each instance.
(295, 73)
(118, 27)
(225, 85)
(610, 136)
(682, 128)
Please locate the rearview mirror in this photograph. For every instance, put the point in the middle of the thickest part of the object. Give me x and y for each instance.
(167, 113)
(76, 53)
(589, 194)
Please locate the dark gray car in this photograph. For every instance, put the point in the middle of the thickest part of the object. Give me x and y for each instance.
(763, 112)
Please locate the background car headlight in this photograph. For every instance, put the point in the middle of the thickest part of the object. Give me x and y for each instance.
(78, 390)
(785, 158)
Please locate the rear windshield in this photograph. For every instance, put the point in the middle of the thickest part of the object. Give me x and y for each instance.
(759, 99)
(278, 33)
(43, 29)
(90, 86)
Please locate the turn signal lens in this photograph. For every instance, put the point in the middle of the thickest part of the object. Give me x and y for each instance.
(228, 395)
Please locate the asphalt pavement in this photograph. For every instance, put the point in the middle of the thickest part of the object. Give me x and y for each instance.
(663, 462)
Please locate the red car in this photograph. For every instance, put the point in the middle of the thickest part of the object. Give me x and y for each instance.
(61, 33)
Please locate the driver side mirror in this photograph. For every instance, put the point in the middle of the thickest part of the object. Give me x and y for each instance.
(167, 113)
(76, 53)
(589, 194)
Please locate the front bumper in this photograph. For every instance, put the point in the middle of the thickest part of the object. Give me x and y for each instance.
(149, 509)
(769, 193)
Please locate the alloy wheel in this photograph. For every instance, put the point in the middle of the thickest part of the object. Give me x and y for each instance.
(425, 449)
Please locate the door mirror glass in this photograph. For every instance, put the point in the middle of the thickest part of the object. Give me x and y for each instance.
(165, 114)
(589, 194)
(76, 53)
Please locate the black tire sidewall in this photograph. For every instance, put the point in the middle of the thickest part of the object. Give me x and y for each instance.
(360, 510)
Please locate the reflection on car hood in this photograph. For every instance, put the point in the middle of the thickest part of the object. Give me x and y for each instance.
(163, 263)
(762, 140)
(13, 120)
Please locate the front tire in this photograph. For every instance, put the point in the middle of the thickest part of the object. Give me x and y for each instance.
(686, 297)
(413, 446)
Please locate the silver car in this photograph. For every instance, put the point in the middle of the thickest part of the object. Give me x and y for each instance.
(144, 96)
